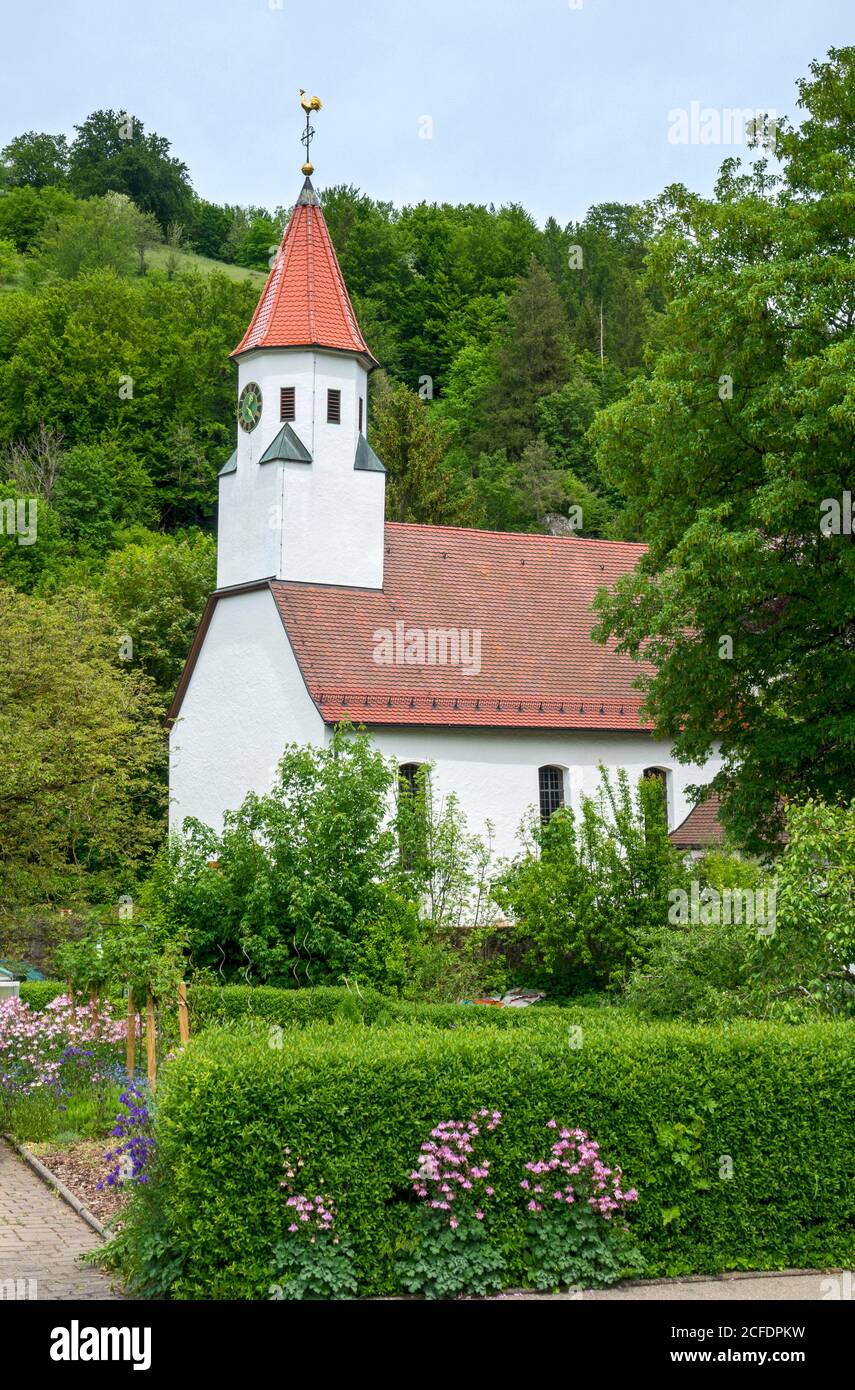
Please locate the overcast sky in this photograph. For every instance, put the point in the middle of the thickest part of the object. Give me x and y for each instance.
(555, 104)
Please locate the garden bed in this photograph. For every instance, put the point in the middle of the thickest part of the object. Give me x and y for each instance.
(80, 1165)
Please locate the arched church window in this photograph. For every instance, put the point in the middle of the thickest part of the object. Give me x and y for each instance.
(660, 775)
(551, 787)
(412, 813)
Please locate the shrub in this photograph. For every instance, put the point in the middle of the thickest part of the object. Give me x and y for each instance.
(39, 993)
(591, 887)
(678, 1107)
(697, 973)
(810, 955)
(296, 1008)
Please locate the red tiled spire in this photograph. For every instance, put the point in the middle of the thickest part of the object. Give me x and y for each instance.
(305, 301)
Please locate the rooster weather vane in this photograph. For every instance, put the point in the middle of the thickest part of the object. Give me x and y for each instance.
(313, 104)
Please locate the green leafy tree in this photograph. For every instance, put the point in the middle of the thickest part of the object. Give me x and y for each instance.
(207, 226)
(98, 234)
(260, 243)
(35, 160)
(809, 959)
(25, 211)
(733, 455)
(9, 259)
(112, 153)
(156, 591)
(419, 486)
(143, 362)
(532, 362)
(80, 755)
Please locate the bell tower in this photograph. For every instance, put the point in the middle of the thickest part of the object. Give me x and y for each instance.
(303, 495)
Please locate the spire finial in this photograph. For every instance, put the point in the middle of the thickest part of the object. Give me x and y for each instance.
(313, 104)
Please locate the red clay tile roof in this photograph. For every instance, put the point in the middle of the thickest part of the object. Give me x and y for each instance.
(528, 595)
(305, 301)
(701, 828)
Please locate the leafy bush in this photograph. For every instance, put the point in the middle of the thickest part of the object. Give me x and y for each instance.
(296, 1008)
(697, 973)
(315, 882)
(591, 887)
(678, 1107)
(810, 958)
(39, 993)
(312, 1258)
(801, 967)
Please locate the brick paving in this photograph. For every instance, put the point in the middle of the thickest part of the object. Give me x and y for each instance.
(41, 1238)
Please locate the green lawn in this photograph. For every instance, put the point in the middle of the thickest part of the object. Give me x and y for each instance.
(187, 261)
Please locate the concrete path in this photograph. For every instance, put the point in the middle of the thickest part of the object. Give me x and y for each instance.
(41, 1239)
(805, 1286)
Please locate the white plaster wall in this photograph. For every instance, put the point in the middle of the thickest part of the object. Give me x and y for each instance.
(246, 700)
(320, 522)
(494, 772)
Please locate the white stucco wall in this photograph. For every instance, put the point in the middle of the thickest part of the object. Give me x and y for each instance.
(318, 523)
(494, 772)
(246, 700)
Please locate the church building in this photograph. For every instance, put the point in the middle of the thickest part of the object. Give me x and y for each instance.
(467, 650)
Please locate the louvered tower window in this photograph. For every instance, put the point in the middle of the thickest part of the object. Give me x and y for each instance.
(287, 403)
(333, 407)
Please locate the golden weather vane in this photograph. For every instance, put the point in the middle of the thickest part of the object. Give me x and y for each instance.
(313, 104)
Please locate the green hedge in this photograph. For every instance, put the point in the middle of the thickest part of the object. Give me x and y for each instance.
(667, 1102)
(328, 1004)
(38, 993)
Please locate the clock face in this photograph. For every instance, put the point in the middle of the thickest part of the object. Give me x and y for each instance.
(249, 406)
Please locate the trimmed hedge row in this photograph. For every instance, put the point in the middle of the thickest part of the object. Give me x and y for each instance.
(328, 1004)
(39, 993)
(669, 1103)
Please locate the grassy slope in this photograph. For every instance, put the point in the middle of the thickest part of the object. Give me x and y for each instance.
(187, 261)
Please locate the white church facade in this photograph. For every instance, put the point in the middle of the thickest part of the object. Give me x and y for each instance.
(463, 649)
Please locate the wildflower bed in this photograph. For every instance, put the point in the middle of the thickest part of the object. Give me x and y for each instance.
(735, 1144)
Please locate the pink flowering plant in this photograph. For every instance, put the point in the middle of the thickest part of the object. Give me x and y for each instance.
(51, 1053)
(577, 1232)
(454, 1254)
(313, 1259)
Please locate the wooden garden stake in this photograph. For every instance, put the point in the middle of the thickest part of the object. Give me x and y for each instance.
(131, 1035)
(150, 1044)
(183, 1016)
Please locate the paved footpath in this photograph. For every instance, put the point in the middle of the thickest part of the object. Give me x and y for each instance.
(41, 1238)
(804, 1286)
